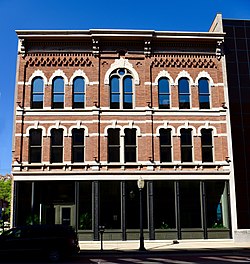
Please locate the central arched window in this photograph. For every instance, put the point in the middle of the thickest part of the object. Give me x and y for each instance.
(121, 89)
(184, 93)
(78, 92)
(37, 93)
(163, 93)
(58, 92)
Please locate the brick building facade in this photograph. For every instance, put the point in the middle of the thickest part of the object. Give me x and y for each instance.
(98, 109)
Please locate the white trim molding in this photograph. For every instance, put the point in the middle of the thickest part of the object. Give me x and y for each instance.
(204, 74)
(59, 73)
(165, 126)
(184, 74)
(57, 126)
(186, 126)
(79, 126)
(37, 73)
(122, 63)
(36, 126)
(163, 74)
(79, 73)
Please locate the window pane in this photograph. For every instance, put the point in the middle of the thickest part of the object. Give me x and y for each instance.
(165, 136)
(130, 154)
(78, 136)
(56, 154)
(206, 136)
(130, 136)
(127, 104)
(36, 137)
(115, 85)
(58, 85)
(163, 86)
(186, 138)
(203, 86)
(204, 101)
(127, 85)
(164, 102)
(79, 85)
(166, 154)
(183, 86)
(113, 136)
(37, 85)
(186, 154)
(35, 154)
(79, 98)
(184, 101)
(207, 154)
(57, 137)
(58, 98)
(114, 154)
(78, 154)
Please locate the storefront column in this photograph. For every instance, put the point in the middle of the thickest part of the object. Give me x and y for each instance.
(14, 204)
(76, 205)
(227, 189)
(32, 202)
(203, 209)
(95, 214)
(123, 210)
(151, 210)
(177, 211)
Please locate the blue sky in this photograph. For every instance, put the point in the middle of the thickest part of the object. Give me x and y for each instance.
(178, 15)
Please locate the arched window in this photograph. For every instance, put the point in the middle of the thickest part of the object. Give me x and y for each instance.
(78, 145)
(163, 93)
(58, 92)
(56, 146)
(35, 146)
(204, 94)
(37, 87)
(79, 92)
(121, 89)
(184, 93)
(207, 145)
(165, 145)
(186, 145)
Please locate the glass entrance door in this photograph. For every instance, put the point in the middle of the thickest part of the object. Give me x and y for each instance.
(64, 215)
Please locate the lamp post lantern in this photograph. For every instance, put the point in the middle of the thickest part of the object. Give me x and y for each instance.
(140, 184)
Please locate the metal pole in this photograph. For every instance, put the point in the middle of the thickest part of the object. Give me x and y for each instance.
(142, 248)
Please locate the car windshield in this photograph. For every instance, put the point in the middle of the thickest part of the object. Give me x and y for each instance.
(12, 233)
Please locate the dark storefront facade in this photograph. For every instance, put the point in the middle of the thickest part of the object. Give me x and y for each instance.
(172, 209)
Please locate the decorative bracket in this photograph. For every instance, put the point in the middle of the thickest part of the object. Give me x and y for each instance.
(147, 48)
(96, 48)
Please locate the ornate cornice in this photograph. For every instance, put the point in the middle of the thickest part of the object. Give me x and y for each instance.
(56, 59)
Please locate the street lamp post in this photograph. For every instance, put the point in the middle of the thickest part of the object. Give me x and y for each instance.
(140, 184)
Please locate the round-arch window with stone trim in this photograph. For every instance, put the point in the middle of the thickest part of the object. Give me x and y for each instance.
(121, 89)
(37, 93)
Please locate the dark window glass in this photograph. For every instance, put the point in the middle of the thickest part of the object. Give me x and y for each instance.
(184, 93)
(56, 154)
(165, 145)
(115, 93)
(35, 146)
(204, 95)
(127, 93)
(78, 92)
(163, 93)
(186, 145)
(113, 145)
(37, 93)
(130, 145)
(207, 145)
(78, 145)
(58, 93)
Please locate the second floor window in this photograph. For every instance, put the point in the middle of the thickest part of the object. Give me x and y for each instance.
(130, 145)
(163, 93)
(78, 145)
(186, 145)
(113, 145)
(204, 95)
(165, 145)
(207, 145)
(58, 93)
(56, 146)
(78, 93)
(121, 89)
(37, 87)
(184, 93)
(35, 146)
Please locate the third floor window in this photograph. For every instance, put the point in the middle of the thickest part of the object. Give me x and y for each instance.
(121, 89)
(184, 93)
(163, 93)
(78, 93)
(37, 93)
(58, 93)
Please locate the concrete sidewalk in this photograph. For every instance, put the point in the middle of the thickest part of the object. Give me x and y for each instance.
(163, 245)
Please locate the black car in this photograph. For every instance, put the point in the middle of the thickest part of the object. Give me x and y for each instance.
(52, 241)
